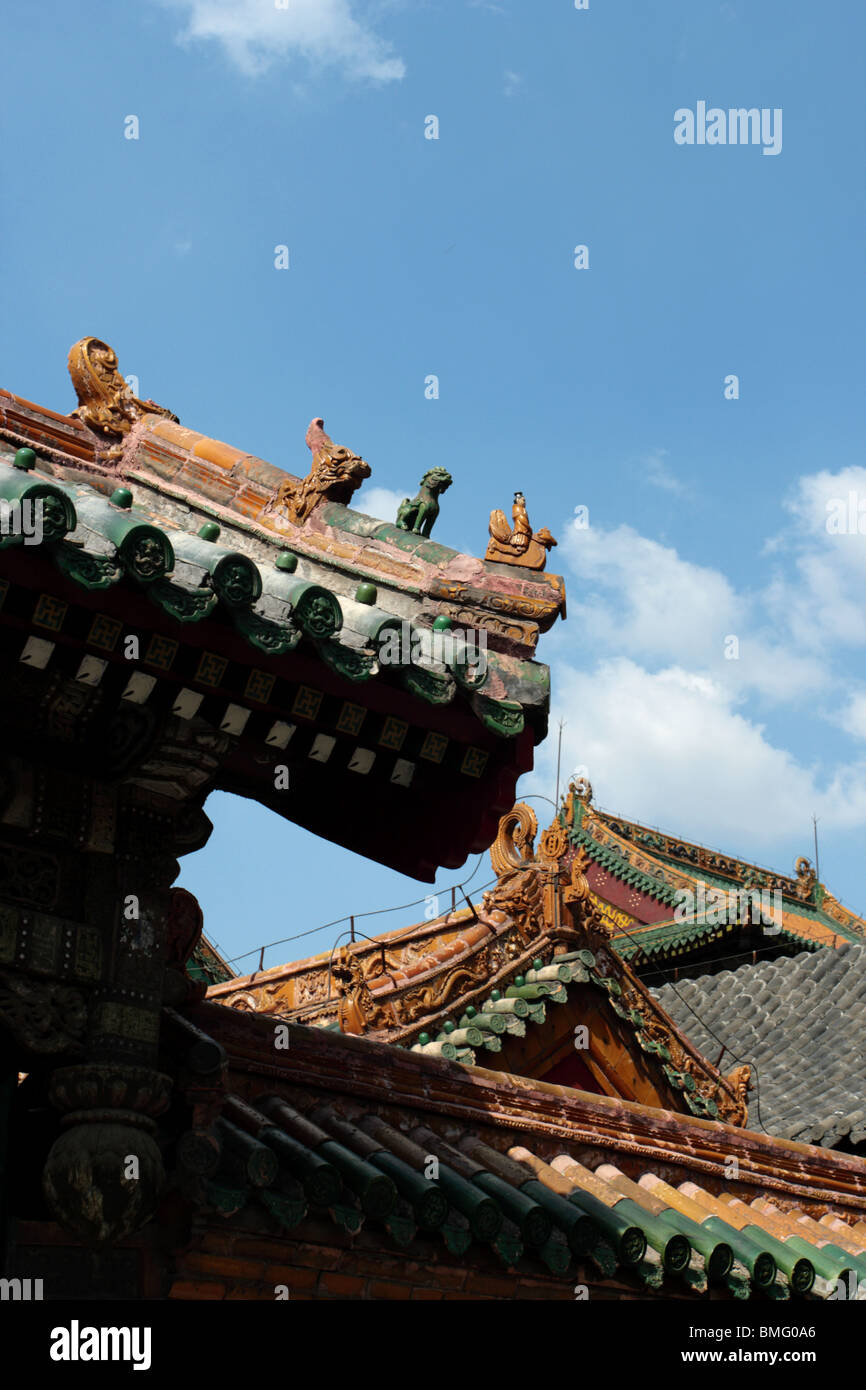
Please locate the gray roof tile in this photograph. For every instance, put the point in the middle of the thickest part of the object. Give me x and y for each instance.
(800, 1023)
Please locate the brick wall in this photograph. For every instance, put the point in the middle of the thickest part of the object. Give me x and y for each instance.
(317, 1261)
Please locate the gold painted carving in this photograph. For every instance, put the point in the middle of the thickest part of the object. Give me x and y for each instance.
(582, 789)
(740, 1082)
(833, 908)
(357, 1010)
(518, 895)
(514, 605)
(513, 847)
(427, 999)
(518, 545)
(578, 889)
(106, 404)
(553, 843)
(806, 879)
(335, 474)
(524, 633)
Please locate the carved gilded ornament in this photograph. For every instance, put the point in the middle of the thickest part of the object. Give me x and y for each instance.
(526, 634)
(358, 1011)
(806, 879)
(429, 998)
(518, 544)
(831, 907)
(582, 789)
(578, 888)
(553, 843)
(724, 1097)
(516, 605)
(515, 839)
(698, 857)
(335, 474)
(106, 404)
(519, 894)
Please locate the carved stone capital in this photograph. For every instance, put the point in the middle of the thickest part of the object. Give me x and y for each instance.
(104, 1175)
(42, 1016)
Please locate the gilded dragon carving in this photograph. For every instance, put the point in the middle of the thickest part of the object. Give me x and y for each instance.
(358, 1011)
(335, 474)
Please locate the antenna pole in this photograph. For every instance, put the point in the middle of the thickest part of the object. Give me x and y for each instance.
(817, 861)
(558, 763)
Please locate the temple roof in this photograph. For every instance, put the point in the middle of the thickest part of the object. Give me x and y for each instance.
(458, 1164)
(513, 976)
(273, 612)
(666, 898)
(800, 1024)
(508, 978)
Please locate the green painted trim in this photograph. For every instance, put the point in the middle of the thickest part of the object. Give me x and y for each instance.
(352, 663)
(502, 717)
(184, 605)
(90, 571)
(274, 639)
(314, 608)
(59, 517)
(431, 686)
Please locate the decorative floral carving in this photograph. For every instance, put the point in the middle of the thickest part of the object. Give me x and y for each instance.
(427, 999)
(105, 401)
(44, 1017)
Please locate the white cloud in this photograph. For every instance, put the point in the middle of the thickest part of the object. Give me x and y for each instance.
(820, 602)
(668, 748)
(642, 593)
(323, 33)
(639, 596)
(668, 728)
(379, 502)
(657, 472)
(852, 718)
(513, 83)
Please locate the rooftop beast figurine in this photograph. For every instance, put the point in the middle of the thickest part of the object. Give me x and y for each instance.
(336, 473)
(419, 514)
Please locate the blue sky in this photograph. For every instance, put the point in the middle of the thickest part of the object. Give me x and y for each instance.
(601, 387)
